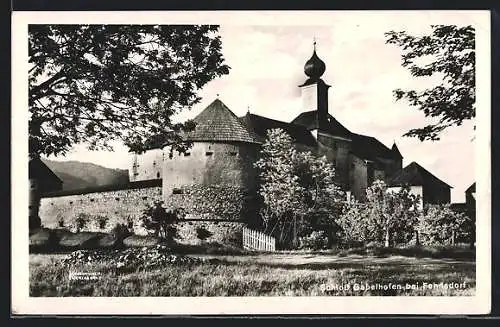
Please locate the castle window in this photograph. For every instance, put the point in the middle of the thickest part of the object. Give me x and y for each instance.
(70, 202)
(154, 163)
(209, 153)
(157, 175)
(177, 191)
(91, 200)
(117, 199)
(187, 154)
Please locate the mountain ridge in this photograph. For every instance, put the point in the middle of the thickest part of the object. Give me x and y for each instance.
(78, 175)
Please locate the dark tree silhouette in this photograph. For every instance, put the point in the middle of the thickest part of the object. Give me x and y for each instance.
(452, 53)
(96, 83)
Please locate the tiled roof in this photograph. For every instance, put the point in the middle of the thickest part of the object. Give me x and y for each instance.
(259, 126)
(218, 123)
(38, 169)
(396, 151)
(368, 147)
(309, 119)
(364, 147)
(415, 175)
(471, 189)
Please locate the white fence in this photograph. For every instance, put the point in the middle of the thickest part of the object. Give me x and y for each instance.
(255, 240)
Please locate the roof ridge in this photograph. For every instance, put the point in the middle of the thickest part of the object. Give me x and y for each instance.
(219, 123)
(421, 169)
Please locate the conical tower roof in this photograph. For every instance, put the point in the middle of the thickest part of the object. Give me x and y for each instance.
(396, 151)
(217, 123)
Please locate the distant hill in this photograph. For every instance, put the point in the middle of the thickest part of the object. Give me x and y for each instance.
(80, 175)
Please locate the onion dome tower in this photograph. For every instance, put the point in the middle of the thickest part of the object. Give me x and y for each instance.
(314, 90)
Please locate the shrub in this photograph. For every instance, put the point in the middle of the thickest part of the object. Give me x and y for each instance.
(101, 221)
(43, 240)
(440, 225)
(388, 217)
(202, 233)
(81, 240)
(81, 221)
(316, 240)
(141, 241)
(234, 239)
(120, 231)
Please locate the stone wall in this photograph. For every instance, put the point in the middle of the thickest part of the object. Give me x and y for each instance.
(215, 202)
(215, 212)
(116, 206)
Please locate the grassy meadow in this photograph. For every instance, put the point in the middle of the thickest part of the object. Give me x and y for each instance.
(351, 273)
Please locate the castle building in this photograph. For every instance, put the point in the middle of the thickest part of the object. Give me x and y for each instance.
(225, 146)
(216, 181)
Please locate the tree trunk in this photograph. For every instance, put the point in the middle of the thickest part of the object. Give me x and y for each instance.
(417, 240)
(34, 205)
(452, 237)
(387, 237)
(295, 239)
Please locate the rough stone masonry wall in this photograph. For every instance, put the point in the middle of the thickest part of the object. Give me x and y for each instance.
(214, 211)
(119, 206)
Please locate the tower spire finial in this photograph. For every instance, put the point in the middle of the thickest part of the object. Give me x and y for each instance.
(314, 43)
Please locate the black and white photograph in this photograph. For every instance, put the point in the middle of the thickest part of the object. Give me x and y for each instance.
(259, 159)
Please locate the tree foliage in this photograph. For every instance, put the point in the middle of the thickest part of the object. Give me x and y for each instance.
(295, 187)
(440, 225)
(388, 217)
(450, 51)
(96, 83)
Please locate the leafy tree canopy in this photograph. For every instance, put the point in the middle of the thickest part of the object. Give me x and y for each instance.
(450, 52)
(386, 216)
(295, 186)
(97, 83)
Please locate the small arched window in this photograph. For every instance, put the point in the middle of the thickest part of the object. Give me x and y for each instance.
(158, 175)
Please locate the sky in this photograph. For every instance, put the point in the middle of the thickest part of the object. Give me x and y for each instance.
(267, 62)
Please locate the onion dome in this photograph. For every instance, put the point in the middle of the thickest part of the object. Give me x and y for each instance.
(314, 67)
